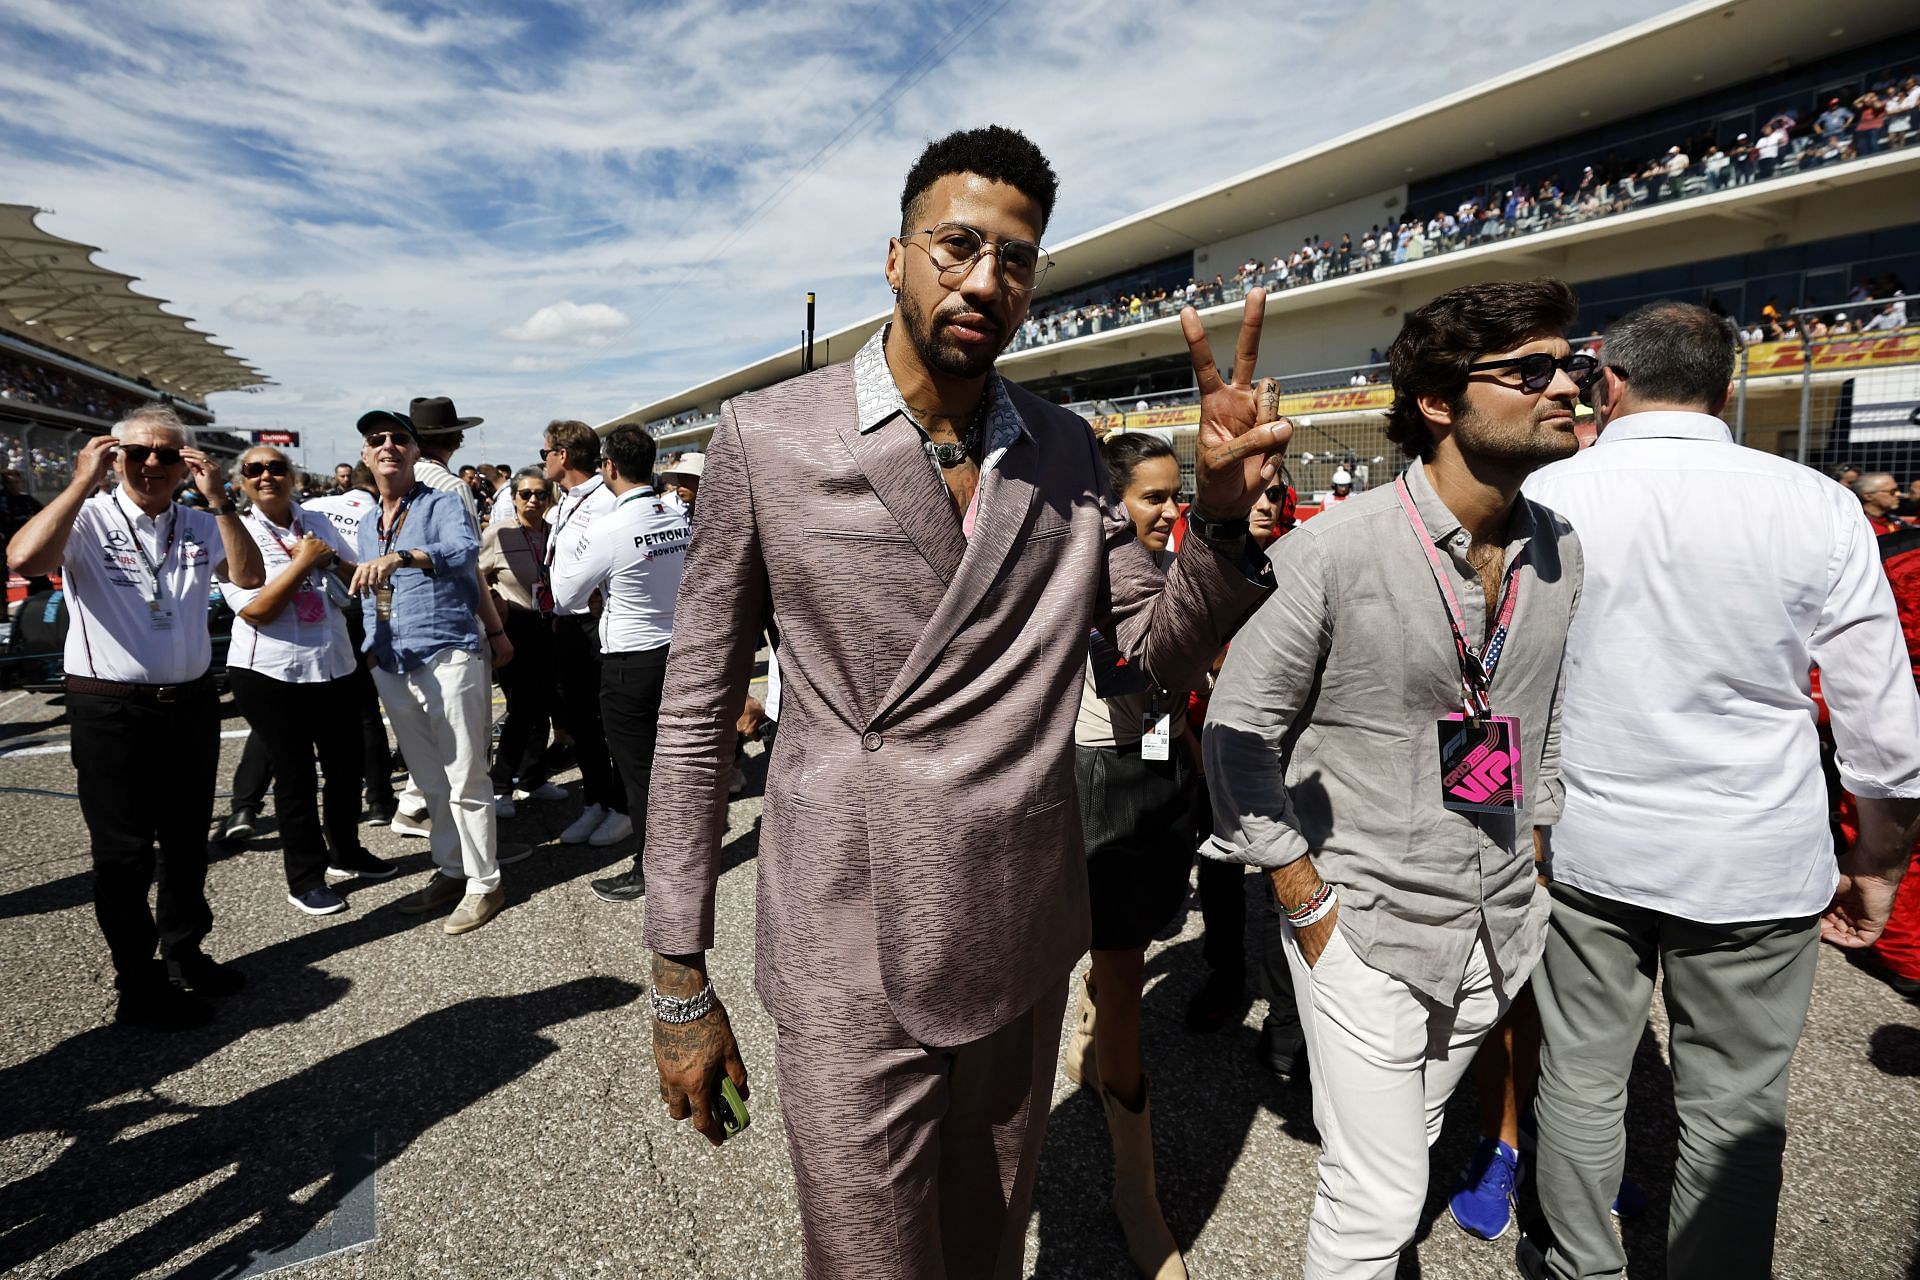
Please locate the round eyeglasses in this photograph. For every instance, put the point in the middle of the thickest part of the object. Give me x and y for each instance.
(954, 247)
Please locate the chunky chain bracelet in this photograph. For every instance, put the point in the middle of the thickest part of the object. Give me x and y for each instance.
(678, 1009)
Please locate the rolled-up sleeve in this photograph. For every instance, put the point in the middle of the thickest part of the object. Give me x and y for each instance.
(1263, 687)
(1866, 673)
(448, 539)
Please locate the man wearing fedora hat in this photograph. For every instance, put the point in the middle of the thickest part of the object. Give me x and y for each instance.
(439, 430)
(683, 478)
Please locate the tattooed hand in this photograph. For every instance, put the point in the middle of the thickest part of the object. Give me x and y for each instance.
(691, 1055)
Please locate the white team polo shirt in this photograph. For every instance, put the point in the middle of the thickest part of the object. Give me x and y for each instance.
(107, 573)
(307, 642)
(572, 517)
(634, 556)
(346, 511)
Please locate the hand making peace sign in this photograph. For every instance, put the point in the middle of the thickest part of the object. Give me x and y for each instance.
(1242, 438)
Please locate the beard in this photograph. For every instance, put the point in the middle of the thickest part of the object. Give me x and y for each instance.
(1526, 443)
(941, 353)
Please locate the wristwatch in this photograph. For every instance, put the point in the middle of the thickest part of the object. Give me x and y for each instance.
(1218, 533)
(230, 509)
(406, 559)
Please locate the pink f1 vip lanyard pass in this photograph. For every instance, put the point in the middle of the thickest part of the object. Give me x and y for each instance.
(1479, 751)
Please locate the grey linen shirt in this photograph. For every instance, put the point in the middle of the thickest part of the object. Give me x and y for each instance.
(1321, 735)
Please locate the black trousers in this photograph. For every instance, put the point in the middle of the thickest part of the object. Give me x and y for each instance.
(630, 689)
(294, 721)
(146, 777)
(376, 761)
(254, 774)
(576, 644)
(528, 682)
(1223, 909)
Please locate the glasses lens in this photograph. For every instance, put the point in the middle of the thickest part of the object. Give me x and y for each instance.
(383, 438)
(137, 454)
(1536, 371)
(532, 495)
(272, 466)
(1276, 494)
(953, 246)
(1583, 369)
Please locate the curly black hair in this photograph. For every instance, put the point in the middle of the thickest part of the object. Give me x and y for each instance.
(1436, 344)
(995, 152)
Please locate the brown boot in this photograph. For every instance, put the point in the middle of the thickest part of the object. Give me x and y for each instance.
(1135, 1201)
(1082, 1066)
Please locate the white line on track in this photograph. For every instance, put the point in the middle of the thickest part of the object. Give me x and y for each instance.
(63, 747)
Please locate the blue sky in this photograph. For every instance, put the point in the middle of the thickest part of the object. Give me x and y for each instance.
(548, 209)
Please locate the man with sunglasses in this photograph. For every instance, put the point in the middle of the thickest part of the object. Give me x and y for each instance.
(418, 581)
(1695, 839)
(1383, 739)
(138, 571)
(923, 889)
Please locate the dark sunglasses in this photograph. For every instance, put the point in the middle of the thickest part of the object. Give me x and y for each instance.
(272, 466)
(379, 439)
(137, 454)
(533, 495)
(545, 452)
(1537, 370)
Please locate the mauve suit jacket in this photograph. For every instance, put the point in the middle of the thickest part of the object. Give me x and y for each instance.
(920, 835)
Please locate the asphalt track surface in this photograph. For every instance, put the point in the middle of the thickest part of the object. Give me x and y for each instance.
(486, 1105)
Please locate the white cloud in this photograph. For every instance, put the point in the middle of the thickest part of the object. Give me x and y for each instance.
(537, 364)
(326, 315)
(593, 325)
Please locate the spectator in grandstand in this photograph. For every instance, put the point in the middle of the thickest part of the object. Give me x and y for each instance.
(138, 572)
(919, 1003)
(1870, 122)
(1835, 124)
(1690, 837)
(1890, 317)
(1879, 495)
(1137, 790)
(17, 506)
(417, 578)
(572, 459)
(1674, 172)
(631, 558)
(1901, 106)
(683, 477)
(346, 511)
(513, 563)
(1414, 912)
(291, 667)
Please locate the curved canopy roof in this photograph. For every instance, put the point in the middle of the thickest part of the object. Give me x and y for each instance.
(53, 293)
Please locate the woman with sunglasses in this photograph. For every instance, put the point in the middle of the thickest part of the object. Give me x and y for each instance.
(520, 584)
(1138, 789)
(291, 667)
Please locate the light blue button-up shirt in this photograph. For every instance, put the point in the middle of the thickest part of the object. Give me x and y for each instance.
(433, 609)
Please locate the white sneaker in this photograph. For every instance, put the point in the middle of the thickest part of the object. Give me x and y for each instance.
(503, 806)
(406, 824)
(585, 825)
(613, 828)
(545, 791)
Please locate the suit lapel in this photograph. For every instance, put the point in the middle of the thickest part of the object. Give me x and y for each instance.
(1008, 495)
(896, 465)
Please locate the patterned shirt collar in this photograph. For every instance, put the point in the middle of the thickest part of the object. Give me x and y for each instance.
(877, 397)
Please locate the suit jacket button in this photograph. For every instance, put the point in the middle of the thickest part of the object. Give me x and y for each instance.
(871, 741)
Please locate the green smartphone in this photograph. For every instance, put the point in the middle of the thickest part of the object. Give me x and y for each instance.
(731, 1109)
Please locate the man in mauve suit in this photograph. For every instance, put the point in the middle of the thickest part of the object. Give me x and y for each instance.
(935, 544)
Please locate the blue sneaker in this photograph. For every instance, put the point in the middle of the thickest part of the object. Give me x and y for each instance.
(1629, 1203)
(318, 902)
(1484, 1204)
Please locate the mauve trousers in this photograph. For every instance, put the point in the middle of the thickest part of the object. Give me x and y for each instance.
(916, 1163)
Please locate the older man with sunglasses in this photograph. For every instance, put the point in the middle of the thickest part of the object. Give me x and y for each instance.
(138, 571)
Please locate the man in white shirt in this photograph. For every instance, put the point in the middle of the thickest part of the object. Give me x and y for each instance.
(571, 455)
(1695, 830)
(632, 556)
(138, 573)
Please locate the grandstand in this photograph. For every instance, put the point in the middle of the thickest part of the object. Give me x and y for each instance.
(1564, 168)
(79, 349)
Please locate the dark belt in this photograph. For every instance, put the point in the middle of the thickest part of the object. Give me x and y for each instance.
(157, 694)
(643, 658)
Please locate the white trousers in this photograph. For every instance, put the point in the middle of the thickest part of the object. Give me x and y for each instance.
(440, 714)
(1385, 1060)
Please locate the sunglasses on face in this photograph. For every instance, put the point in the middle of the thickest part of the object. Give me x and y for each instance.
(383, 438)
(545, 452)
(532, 495)
(272, 466)
(1537, 370)
(137, 454)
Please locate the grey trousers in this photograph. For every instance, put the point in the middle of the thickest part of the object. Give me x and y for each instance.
(1737, 996)
(916, 1163)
